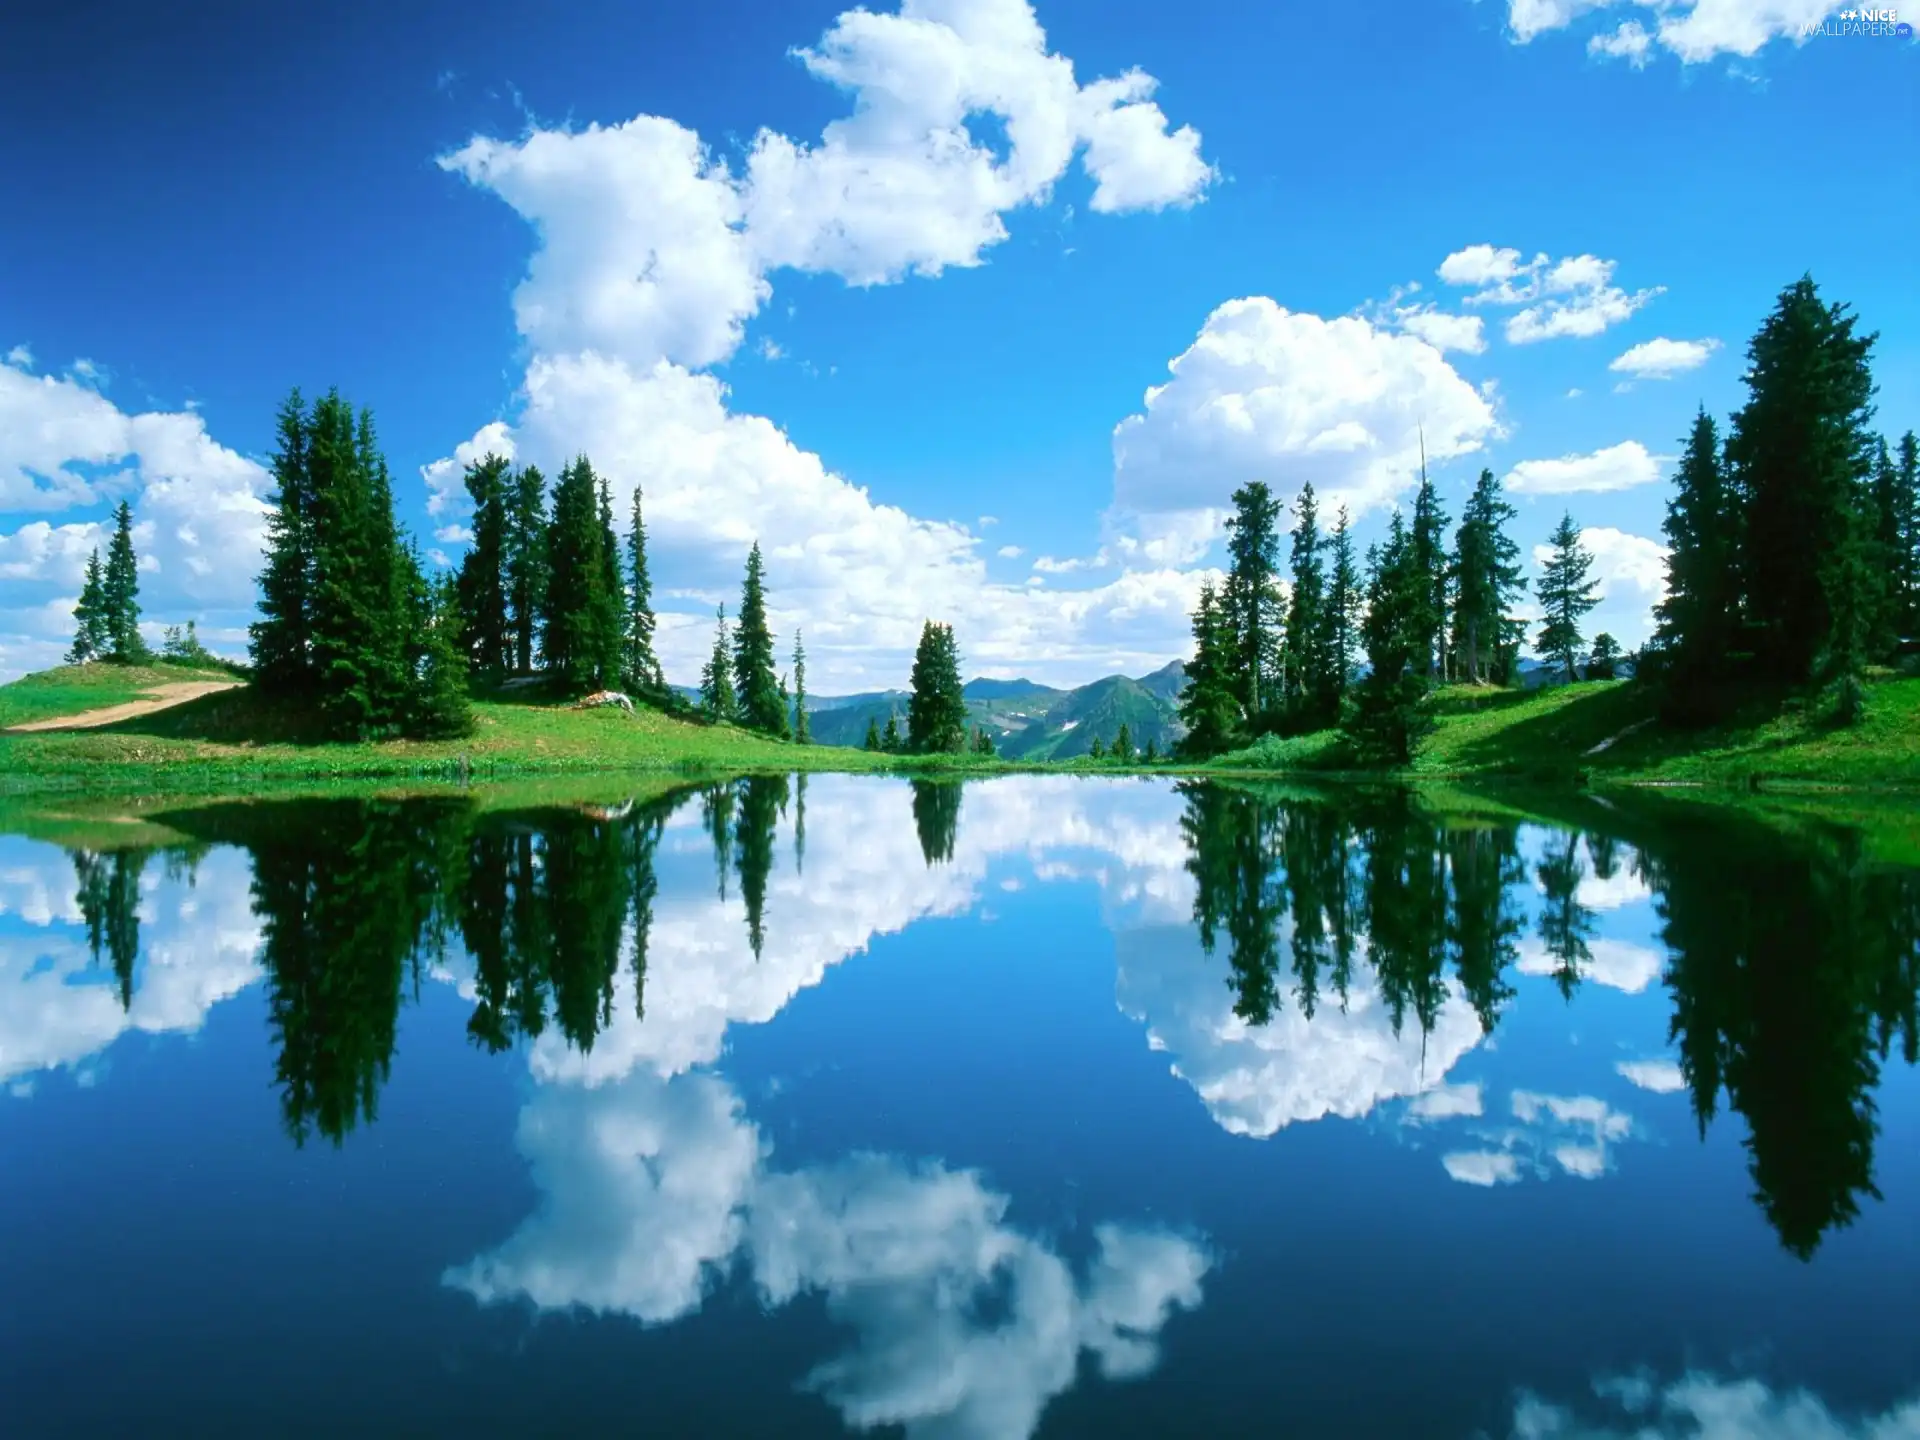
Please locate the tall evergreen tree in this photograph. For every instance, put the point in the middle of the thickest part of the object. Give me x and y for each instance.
(1907, 505)
(281, 640)
(347, 611)
(1250, 602)
(1207, 705)
(611, 615)
(1486, 580)
(1566, 595)
(717, 699)
(483, 575)
(937, 710)
(1388, 718)
(1427, 543)
(754, 680)
(642, 667)
(1801, 451)
(437, 704)
(1306, 657)
(90, 638)
(526, 563)
(802, 729)
(580, 635)
(1340, 625)
(890, 737)
(120, 591)
(873, 741)
(1698, 622)
(1884, 543)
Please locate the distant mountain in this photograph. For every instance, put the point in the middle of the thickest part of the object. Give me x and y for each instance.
(1027, 720)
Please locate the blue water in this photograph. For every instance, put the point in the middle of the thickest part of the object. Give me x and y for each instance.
(976, 1145)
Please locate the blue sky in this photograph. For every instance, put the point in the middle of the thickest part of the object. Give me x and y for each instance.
(889, 291)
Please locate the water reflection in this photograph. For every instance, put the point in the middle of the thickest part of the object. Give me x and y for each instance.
(1294, 957)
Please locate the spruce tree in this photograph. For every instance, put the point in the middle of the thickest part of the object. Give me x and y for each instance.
(1096, 749)
(1389, 718)
(937, 710)
(890, 737)
(1486, 571)
(437, 705)
(802, 727)
(641, 666)
(1698, 622)
(281, 640)
(1306, 660)
(1606, 656)
(873, 741)
(1207, 705)
(580, 634)
(753, 674)
(1885, 539)
(120, 591)
(1566, 595)
(482, 584)
(1907, 505)
(610, 613)
(1340, 624)
(344, 624)
(717, 699)
(90, 638)
(1801, 451)
(1123, 744)
(526, 563)
(1251, 603)
(1429, 556)
(391, 571)
(982, 741)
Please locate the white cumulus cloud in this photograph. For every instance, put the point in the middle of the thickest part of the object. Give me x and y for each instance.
(1617, 467)
(1570, 298)
(1662, 359)
(1693, 30)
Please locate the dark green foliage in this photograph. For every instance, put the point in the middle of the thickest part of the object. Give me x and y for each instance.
(982, 741)
(1123, 744)
(580, 635)
(1305, 653)
(1565, 924)
(717, 701)
(282, 638)
(1699, 621)
(90, 639)
(1802, 454)
(437, 703)
(936, 818)
(1252, 622)
(1208, 707)
(1151, 755)
(802, 726)
(1606, 656)
(1486, 582)
(1566, 595)
(356, 583)
(890, 737)
(755, 685)
(1097, 750)
(180, 646)
(873, 740)
(120, 595)
(1339, 626)
(936, 710)
(1907, 512)
(1389, 718)
(486, 633)
(1428, 556)
(526, 564)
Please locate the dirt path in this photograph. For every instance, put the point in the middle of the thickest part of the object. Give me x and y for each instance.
(161, 697)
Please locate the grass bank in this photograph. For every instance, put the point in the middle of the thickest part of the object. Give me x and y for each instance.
(1606, 732)
(1596, 733)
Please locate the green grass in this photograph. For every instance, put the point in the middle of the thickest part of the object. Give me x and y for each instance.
(233, 739)
(74, 688)
(1549, 736)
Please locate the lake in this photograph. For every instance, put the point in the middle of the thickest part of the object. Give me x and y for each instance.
(1043, 1106)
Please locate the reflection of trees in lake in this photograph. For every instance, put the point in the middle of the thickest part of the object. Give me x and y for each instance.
(763, 800)
(936, 816)
(1793, 968)
(1793, 974)
(108, 892)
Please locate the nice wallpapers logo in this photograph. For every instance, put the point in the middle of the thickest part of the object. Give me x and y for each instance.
(1863, 22)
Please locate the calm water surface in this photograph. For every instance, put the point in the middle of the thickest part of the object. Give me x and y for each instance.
(1041, 1106)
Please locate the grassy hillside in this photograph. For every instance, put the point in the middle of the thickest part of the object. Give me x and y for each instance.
(1606, 730)
(73, 688)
